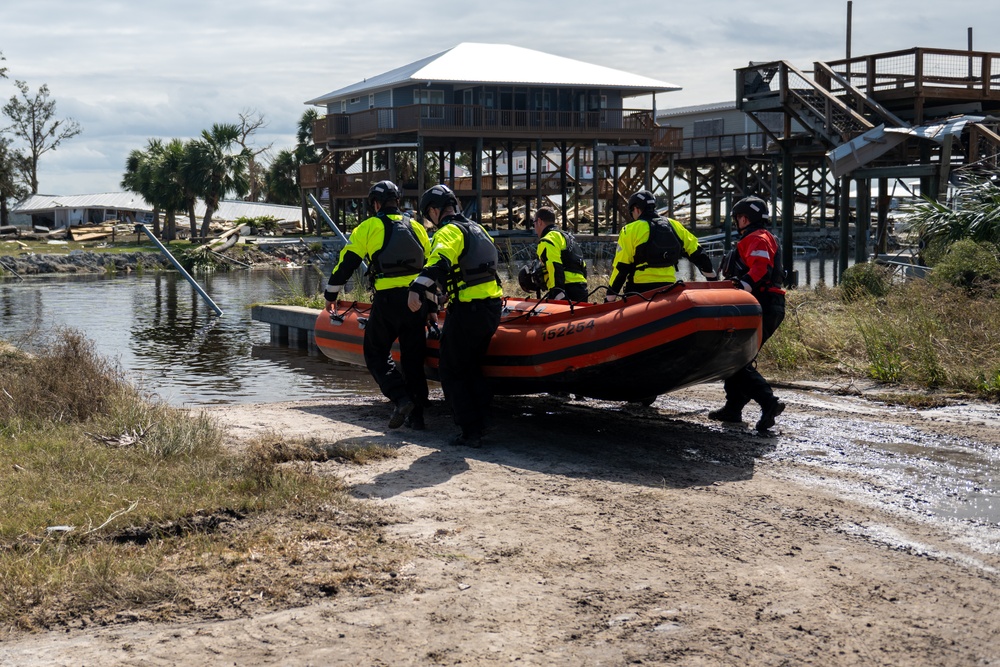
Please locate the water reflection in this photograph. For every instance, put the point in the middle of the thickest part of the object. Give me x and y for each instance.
(170, 341)
(814, 269)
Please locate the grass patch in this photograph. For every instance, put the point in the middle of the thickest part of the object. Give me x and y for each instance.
(277, 449)
(105, 246)
(118, 507)
(917, 334)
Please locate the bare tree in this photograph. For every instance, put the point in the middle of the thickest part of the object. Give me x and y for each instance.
(34, 122)
(252, 120)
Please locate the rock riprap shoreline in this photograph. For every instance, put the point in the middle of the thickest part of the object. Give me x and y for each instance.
(82, 262)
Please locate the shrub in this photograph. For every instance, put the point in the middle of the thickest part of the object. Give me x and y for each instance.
(865, 280)
(264, 224)
(969, 265)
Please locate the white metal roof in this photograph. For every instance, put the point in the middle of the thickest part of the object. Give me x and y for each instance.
(129, 201)
(482, 64)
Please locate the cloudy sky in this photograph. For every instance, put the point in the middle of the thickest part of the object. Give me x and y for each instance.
(128, 71)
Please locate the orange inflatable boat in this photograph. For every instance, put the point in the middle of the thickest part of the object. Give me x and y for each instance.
(633, 349)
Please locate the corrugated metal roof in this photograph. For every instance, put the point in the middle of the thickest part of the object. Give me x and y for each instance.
(129, 201)
(501, 64)
(123, 200)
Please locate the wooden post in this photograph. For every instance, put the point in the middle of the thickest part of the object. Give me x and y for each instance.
(510, 185)
(863, 208)
(844, 215)
(787, 207)
(670, 186)
(882, 217)
(540, 167)
(614, 193)
(596, 187)
(477, 179)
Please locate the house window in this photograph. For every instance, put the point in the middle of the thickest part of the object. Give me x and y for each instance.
(371, 101)
(710, 127)
(355, 100)
(426, 97)
(343, 106)
(519, 164)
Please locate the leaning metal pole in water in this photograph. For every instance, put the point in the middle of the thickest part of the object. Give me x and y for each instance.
(326, 218)
(177, 265)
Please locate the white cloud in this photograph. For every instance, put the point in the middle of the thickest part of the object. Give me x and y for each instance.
(130, 71)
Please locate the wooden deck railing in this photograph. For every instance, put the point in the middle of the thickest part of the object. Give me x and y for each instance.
(915, 70)
(474, 120)
(724, 145)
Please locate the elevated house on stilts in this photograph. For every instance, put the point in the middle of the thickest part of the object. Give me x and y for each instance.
(508, 128)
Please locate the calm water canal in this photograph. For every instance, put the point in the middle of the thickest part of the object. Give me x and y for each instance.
(170, 341)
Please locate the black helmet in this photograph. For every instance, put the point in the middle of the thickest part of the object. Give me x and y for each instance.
(754, 208)
(531, 277)
(440, 196)
(643, 200)
(384, 191)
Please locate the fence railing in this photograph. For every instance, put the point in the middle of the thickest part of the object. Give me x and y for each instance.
(724, 145)
(920, 68)
(474, 119)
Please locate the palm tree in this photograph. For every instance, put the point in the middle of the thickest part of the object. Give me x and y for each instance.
(282, 179)
(974, 214)
(305, 149)
(168, 188)
(191, 182)
(140, 174)
(218, 167)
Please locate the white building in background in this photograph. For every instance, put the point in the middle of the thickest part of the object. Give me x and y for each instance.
(57, 211)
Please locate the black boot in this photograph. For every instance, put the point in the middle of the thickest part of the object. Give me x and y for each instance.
(467, 438)
(416, 420)
(727, 413)
(404, 407)
(768, 415)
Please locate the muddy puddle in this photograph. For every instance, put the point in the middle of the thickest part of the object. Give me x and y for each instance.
(901, 461)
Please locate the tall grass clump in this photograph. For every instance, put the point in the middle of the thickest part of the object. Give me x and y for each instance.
(918, 334)
(110, 496)
(862, 281)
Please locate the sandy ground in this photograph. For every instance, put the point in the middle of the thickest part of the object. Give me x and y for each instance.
(588, 533)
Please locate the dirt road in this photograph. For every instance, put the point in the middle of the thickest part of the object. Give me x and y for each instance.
(590, 533)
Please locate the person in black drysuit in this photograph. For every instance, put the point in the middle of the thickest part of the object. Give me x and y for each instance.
(644, 260)
(463, 261)
(396, 248)
(564, 271)
(754, 265)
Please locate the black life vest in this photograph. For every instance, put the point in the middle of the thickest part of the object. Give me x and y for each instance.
(572, 256)
(401, 253)
(662, 249)
(477, 264)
